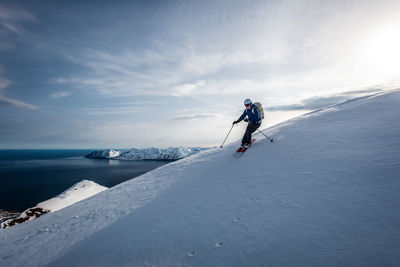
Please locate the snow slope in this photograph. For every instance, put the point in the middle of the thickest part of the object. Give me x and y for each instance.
(75, 193)
(172, 153)
(325, 193)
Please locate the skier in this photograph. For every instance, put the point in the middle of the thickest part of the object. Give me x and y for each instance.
(254, 119)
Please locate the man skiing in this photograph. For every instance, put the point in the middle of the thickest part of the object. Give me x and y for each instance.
(254, 119)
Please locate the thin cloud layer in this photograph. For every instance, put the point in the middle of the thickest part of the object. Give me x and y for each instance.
(59, 95)
(5, 101)
(195, 117)
(11, 22)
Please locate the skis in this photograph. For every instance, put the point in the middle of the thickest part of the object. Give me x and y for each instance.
(241, 150)
(245, 148)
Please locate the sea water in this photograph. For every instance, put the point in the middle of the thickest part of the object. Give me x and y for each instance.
(28, 177)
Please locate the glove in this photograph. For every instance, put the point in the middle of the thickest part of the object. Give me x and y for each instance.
(233, 123)
(246, 119)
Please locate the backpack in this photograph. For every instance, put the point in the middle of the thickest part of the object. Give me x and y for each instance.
(258, 105)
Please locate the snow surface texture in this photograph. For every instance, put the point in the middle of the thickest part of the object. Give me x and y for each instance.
(75, 193)
(172, 153)
(325, 193)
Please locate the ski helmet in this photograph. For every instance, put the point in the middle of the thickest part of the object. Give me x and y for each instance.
(247, 102)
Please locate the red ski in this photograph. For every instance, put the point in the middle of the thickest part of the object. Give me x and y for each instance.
(241, 150)
(247, 147)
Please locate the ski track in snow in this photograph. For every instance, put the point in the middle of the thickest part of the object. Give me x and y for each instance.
(325, 193)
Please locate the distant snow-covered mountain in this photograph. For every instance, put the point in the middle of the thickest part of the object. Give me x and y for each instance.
(172, 153)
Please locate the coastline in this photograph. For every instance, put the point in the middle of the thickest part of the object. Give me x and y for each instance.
(8, 214)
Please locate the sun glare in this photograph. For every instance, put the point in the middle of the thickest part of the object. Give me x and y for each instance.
(380, 51)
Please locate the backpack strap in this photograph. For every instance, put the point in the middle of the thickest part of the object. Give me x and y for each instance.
(252, 110)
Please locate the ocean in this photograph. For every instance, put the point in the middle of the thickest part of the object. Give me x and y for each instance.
(28, 177)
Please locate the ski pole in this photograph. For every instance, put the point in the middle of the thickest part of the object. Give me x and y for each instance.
(270, 139)
(227, 136)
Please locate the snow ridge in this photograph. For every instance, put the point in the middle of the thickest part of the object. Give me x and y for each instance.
(75, 193)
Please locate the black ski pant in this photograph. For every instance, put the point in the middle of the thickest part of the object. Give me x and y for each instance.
(251, 128)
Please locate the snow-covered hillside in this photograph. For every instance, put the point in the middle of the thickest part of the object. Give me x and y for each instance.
(75, 193)
(325, 193)
(172, 153)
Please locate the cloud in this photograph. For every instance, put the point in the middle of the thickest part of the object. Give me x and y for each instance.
(122, 110)
(318, 102)
(122, 74)
(162, 69)
(4, 83)
(179, 70)
(202, 46)
(5, 101)
(11, 20)
(195, 116)
(188, 88)
(13, 14)
(59, 95)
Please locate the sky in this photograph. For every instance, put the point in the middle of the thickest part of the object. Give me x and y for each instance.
(122, 74)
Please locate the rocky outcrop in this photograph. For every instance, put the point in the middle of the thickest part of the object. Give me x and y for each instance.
(27, 215)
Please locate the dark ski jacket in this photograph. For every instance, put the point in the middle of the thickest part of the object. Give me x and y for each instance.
(252, 114)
